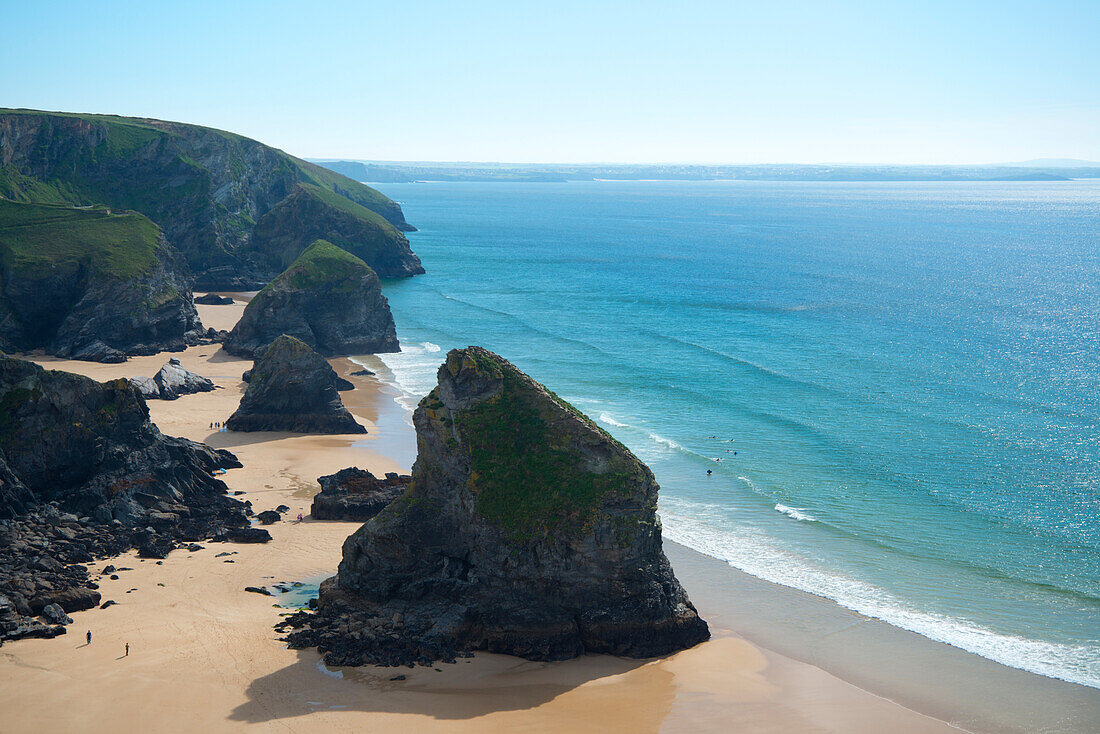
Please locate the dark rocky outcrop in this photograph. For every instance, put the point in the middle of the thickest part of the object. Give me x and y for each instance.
(213, 299)
(292, 388)
(355, 494)
(170, 382)
(267, 517)
(526, 530)
(90, 284)
(84, 474)
(237, 210)
(329, 299)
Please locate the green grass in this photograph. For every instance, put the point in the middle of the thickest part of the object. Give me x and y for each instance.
(322, 263)
(348, 188)
(127, 135)
(527, 477)
(39, 238)
(347, 206)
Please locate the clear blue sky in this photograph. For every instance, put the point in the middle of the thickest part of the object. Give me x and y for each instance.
(722, 81)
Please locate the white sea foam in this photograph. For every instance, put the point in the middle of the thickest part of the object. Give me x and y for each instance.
(605, 418)
(752, 551)
(413, 371)
(668, 442)
(796, 513)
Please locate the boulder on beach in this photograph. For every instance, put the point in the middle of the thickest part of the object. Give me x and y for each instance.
(526, 530)
(355, 494)
(172, 381)
(329, 299)
(292, 388)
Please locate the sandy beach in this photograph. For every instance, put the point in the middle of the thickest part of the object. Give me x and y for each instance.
(204, 655)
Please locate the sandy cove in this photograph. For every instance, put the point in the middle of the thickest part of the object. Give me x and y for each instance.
(204, 656)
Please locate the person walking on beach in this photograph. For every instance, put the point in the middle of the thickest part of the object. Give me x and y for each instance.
(127, 650)
(89, 637)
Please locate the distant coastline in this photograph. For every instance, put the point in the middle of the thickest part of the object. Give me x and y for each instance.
(415, 172)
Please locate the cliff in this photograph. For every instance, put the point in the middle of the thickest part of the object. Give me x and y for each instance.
(328, 299)
(292, 388)
(85, 474)
(90, 284)
(526, 530)
(239, 211)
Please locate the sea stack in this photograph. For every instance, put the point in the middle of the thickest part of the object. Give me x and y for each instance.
(526, 530)
(292, 388)
(329, 299)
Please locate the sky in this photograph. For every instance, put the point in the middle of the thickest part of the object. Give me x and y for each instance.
(718, 81)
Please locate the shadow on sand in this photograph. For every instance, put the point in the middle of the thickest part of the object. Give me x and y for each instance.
(462, 690)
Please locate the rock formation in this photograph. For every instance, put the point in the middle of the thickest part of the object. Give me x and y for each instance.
(89, 284)
(170, 382)
(292, 388)
(355, 494)
(526, 530)
(213, 299)
(329, 299)
(239, 211)
(84, 474)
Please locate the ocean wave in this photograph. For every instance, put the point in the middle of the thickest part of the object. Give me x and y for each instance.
(796, 513)
(753, 552)
(605, 418)
(412, 371)
(759, 369)
(668, 442)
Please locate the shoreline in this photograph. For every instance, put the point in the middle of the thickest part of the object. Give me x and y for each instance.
(205, 654)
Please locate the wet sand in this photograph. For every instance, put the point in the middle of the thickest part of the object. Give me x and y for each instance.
(204, 655)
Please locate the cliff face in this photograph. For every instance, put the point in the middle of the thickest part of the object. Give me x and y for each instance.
(207, 189)
(526, 530)
(91, 447)
(89, 284)
(292, 388)
(84, 474)
(328, 299)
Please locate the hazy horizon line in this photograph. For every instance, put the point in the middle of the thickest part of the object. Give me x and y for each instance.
(1048, 162)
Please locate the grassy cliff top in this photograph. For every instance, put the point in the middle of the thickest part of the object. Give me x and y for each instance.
(127, 135)
(322, 263)
(42, 237)
(531, 454)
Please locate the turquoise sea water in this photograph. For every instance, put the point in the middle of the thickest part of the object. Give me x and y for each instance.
(902, 380)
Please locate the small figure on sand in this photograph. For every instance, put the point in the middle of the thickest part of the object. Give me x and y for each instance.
(299, 517)
(89, 637)
(127, 650)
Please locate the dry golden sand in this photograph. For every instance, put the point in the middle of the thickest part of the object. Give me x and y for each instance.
(204, 657)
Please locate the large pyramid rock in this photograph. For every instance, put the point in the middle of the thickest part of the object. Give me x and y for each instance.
(292, 388)
(328, 298)
(526, 530)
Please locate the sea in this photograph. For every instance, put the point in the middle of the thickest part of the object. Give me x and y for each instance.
(886, 394)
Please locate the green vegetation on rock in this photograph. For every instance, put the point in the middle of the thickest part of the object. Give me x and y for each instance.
(528, 478)
(42, 237)
(212, 192)
(322, 263)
